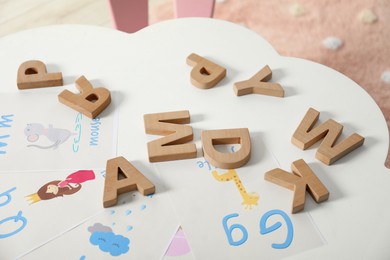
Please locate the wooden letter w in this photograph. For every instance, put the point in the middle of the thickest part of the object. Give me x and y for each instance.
(305, 136)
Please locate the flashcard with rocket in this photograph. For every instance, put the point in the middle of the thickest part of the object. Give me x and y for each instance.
(39, 133)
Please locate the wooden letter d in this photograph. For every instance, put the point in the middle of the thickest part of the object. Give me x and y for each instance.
(227, 136)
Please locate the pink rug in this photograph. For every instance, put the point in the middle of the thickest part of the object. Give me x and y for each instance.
(348, 36)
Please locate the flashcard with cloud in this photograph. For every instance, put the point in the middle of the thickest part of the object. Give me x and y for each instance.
(37, 207)
(50, 136)
(137, 228)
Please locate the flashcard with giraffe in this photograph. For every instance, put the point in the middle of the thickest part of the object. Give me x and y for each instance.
(236, 210)
(39, 133)
(37, 207)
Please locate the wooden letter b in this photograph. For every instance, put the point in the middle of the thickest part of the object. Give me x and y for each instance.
(90, 102)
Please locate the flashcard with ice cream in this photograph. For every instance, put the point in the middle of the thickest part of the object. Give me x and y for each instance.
(48, 136)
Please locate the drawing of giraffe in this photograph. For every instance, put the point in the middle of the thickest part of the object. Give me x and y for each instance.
(249, 199)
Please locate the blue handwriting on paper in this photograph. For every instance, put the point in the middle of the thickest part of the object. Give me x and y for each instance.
(229, 230)
(78, 129)
(263, 229)
(17, 218)
(3, 144)
(202, 164)
(7, 194)
(4, 123)
(95, 131)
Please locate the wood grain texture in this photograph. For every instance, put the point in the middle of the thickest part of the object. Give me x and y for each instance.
(173, 146)
(33, 74)
(205, 73)
(122, 177)
(226, 136)
(18, 15)
(328, 152)
(90, 101)
(258, 84)
(303, 179)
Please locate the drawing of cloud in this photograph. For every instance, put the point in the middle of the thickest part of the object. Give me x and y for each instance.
(111, 243)
(97, 227)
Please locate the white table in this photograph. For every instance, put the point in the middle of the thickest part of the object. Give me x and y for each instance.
(147, 73)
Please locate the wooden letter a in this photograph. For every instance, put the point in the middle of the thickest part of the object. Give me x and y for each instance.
(305, 136)
(302, 179)
(173, 146)
(122, 177)
(226, 136)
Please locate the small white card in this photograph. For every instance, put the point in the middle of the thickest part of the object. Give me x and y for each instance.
(139, 227)
(38, 133)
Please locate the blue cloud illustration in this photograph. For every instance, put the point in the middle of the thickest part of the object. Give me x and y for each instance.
(111, 243)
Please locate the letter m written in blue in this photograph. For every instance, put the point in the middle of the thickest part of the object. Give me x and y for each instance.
(5, 120)
(4, 123)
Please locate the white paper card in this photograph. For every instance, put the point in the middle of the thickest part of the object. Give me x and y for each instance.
(38, 133)
(139, 227)
(36, 207)
(236, 214)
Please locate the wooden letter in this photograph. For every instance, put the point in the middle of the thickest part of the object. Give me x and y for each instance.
(258, 85)
(305, 136)
(122, 177)
(33, 74)
(226, 136)
(302, 179)
(173, 146)
(90, 102)
(204, 74)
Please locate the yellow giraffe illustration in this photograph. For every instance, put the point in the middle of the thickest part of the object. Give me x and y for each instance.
(250, 199)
